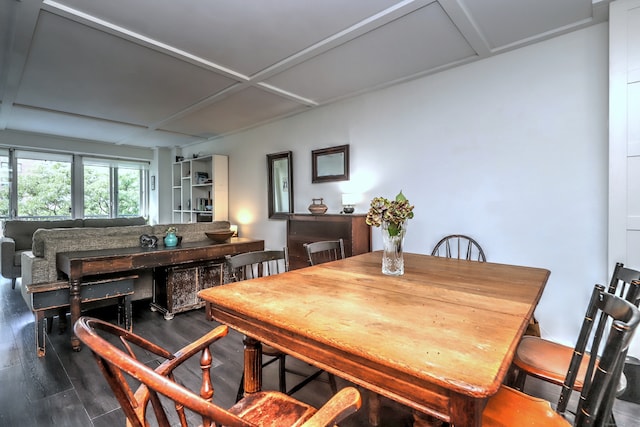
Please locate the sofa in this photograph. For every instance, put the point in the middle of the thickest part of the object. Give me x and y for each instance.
(46, 290)
(17, 237)
(39, 263)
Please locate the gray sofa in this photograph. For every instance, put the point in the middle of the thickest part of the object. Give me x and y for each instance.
(46, 290)
(17, 237)
(39, 263)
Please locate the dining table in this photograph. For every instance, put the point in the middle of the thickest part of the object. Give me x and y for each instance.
(439, 339)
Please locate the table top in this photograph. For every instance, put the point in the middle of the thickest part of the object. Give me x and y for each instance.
(101, 261)
(445, 326)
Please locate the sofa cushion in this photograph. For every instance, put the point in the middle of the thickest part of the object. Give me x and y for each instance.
(22, 231)
(113, 222)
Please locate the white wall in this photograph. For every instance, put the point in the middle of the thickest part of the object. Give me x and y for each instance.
(511, 150)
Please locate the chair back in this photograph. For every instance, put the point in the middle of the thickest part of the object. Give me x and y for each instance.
(601, 381)
(120, 367)
(459, 246)
(622, 283)
(325, 251)
(250, 265)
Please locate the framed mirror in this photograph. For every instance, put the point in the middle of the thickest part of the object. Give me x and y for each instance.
(280, 169)
(330, 164)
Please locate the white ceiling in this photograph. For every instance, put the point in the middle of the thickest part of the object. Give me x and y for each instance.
(171, 72)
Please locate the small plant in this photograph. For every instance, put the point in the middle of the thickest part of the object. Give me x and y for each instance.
(172, 229)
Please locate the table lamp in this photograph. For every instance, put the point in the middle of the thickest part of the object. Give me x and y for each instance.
(348, 203)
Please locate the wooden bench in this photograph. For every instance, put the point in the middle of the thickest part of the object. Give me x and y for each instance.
(49, 299)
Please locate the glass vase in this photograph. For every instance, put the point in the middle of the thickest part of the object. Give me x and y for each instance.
(392, 258)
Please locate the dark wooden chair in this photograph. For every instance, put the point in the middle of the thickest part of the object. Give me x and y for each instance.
(548, 360)
(510, 407)
(147, 404)
(325, 251)
(251, 265)
(459, 246)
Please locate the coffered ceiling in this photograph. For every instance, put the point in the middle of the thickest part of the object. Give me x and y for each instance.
(171, 72)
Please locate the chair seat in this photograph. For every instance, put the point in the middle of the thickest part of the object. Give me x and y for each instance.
(275, 409)
(510, 408)
(548, 360)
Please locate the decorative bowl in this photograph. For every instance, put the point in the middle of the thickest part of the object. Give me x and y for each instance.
(219, 236)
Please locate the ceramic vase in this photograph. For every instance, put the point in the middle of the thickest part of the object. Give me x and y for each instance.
(392, 257)
(170, 240)
(317, 207)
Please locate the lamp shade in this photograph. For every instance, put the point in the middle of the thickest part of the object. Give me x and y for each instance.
(349, 199)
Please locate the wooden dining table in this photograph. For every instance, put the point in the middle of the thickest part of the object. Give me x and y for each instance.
(438, 339)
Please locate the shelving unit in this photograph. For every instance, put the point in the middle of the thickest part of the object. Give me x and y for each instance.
(201, 189)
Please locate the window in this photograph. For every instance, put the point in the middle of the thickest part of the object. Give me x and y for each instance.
(41, 185)
(115, 188)
(44, 185)
(5, 183)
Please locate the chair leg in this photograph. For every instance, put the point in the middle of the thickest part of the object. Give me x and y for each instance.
(240, 393)
(520, 378)
(282, 374)
(13, 283)
(332, 383)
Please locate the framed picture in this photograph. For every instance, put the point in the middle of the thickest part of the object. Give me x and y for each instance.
(330, 164)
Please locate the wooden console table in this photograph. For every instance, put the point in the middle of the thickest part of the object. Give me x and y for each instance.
(306, 228)
(80, 265)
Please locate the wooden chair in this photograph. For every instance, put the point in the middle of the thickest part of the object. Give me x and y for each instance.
(510, 407)
(459, 246)
(548, 360)
(251, 265)
(325, 251)
(121, 367)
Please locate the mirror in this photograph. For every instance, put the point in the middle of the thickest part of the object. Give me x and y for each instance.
(280, 180)
(330, 164)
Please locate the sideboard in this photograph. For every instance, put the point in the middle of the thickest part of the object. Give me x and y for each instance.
(306, 228)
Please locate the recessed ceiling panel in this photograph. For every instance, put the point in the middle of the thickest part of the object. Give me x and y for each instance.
(240, 110)
(158, 138)
(246, 36)
(54, 123)
(77, 69)
(412, 44)
(504, 22)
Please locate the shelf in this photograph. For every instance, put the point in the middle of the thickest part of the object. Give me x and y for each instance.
(190, 190)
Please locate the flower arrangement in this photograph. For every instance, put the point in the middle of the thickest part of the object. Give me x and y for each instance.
(171, 229)
(394, 213)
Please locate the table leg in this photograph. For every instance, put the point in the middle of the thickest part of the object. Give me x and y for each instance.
(424, 420)
(373, 400)
(466, 411)
(74, 303)
(252, 365)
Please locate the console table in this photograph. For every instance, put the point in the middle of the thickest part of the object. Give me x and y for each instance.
(307, 228)
(80, 265)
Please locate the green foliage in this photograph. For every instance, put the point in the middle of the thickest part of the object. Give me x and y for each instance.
(128, 192)
(45, 190)
(96, 191)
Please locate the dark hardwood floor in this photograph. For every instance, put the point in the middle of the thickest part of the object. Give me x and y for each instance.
(65, 388)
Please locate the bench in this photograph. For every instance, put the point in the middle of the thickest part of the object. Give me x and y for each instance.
(49, 299)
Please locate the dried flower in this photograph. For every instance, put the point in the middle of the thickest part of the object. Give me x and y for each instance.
(171, 230)
(394, 212)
